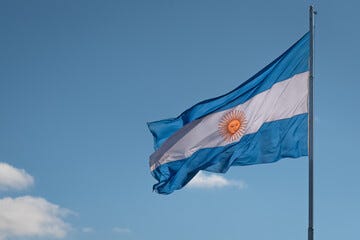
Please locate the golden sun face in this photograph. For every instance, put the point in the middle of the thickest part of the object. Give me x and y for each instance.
(232, 125)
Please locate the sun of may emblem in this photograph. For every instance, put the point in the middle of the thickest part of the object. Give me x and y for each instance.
(232, 125)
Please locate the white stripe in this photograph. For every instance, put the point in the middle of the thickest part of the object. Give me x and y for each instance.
(283, 100)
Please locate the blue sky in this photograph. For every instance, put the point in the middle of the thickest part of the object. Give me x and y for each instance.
(80, 79)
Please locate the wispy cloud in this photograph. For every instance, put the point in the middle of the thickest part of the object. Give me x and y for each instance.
(29, 216)
(12, 178)
(202, 180)
(121, 230)
(87, 230)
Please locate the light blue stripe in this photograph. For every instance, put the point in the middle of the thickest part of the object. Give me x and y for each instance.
(293, 61)
(286, 138)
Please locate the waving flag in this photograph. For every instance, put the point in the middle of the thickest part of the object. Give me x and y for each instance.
(261, 121)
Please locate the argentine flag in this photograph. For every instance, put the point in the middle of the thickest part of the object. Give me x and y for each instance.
(261, 121)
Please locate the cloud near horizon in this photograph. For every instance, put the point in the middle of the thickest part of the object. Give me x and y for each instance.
(12, 178)
(208, 181)
(29, 216)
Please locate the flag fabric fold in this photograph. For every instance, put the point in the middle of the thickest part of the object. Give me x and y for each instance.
(261, 121)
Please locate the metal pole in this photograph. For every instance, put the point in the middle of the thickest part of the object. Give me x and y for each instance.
(311, 127)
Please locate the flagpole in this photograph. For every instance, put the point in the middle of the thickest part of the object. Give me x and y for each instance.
(311, 126)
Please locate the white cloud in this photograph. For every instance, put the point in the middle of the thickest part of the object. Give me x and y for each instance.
(14, 178)
(202, 180)
(29, 216)
(121, 230)
(87, 230)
